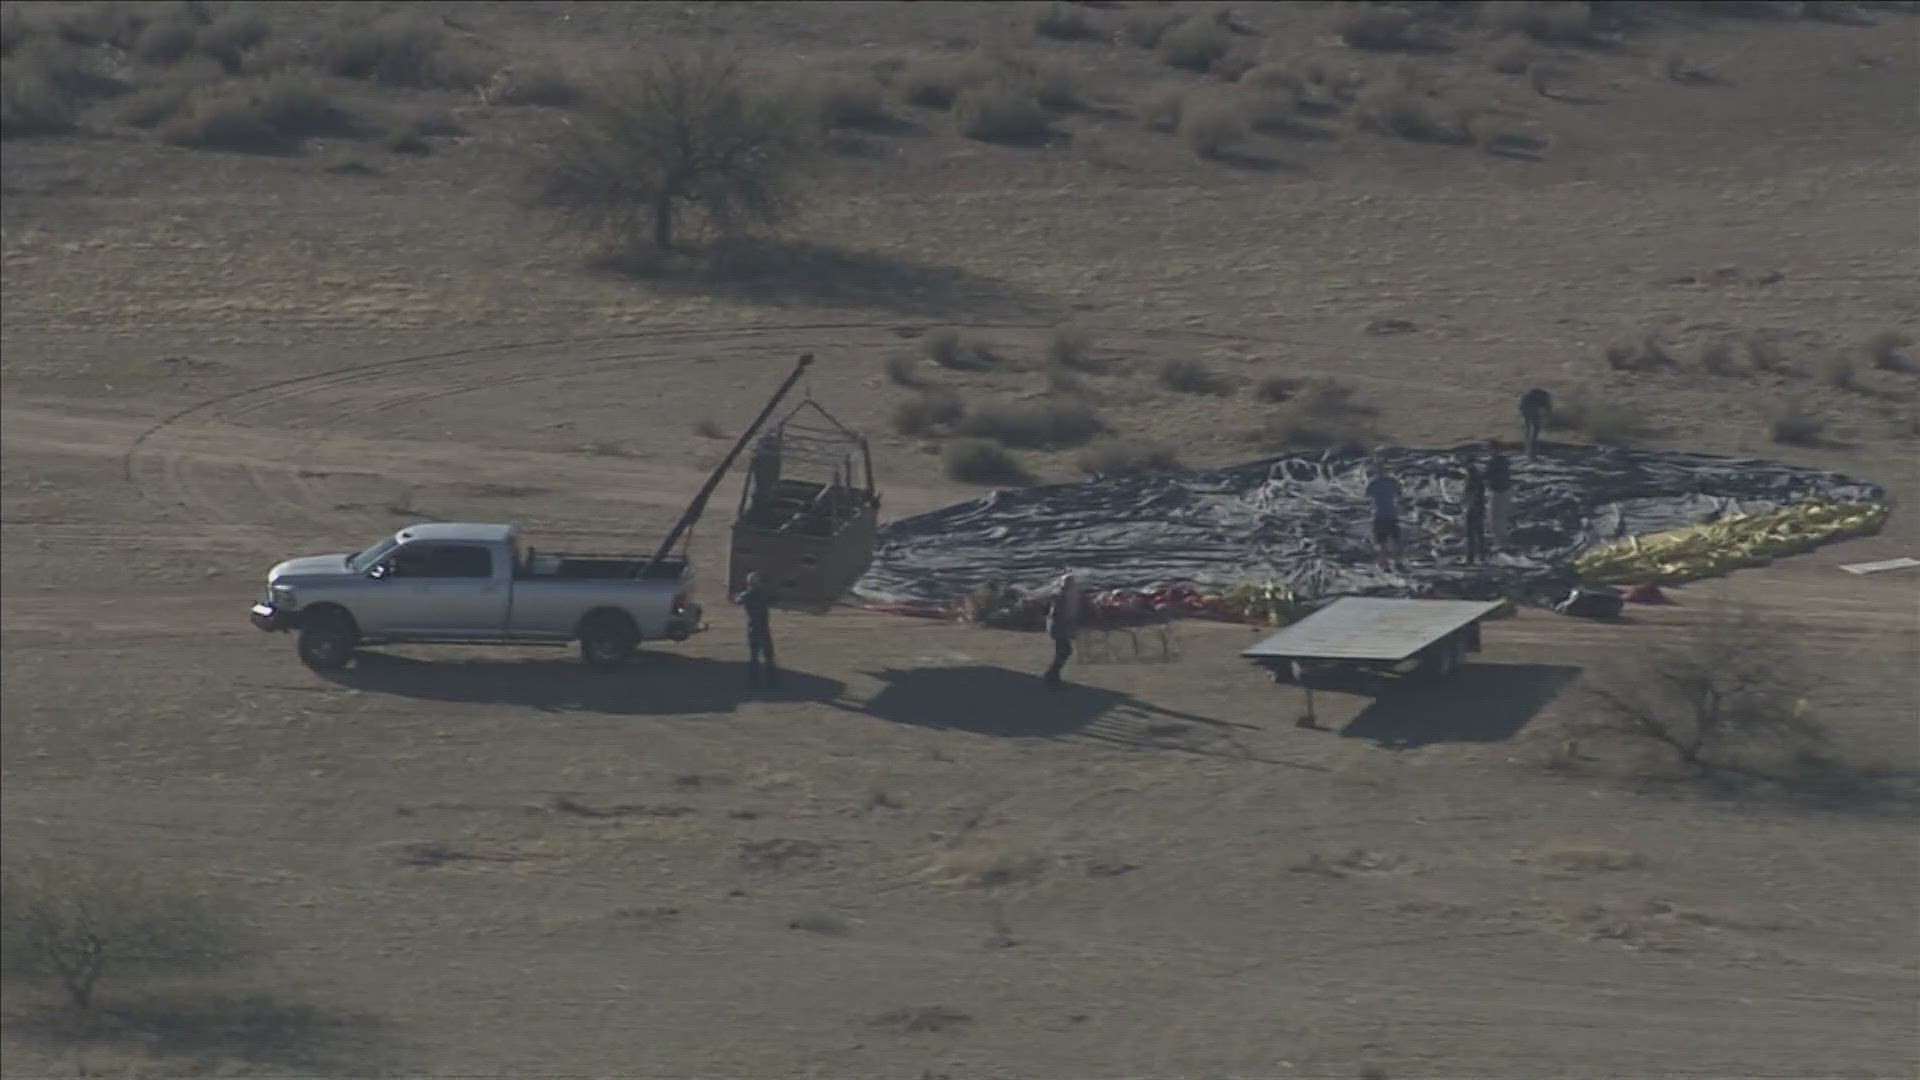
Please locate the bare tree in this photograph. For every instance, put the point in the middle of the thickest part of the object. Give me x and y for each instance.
(681, 137)
(72, 923)
(1733, 683)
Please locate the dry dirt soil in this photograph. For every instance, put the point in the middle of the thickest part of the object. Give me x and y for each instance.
(913, 862)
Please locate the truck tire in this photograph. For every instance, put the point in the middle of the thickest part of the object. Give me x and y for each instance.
(327, 640)
(608, 639)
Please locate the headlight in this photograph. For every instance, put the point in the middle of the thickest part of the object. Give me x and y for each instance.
(282, 594)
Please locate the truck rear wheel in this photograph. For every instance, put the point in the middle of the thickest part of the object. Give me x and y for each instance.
(327, 642)
(608, 640)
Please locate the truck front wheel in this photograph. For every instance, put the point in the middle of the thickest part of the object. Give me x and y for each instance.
(608, 640)
(327, 642)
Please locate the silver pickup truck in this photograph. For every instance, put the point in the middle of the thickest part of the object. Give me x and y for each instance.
(473, 585)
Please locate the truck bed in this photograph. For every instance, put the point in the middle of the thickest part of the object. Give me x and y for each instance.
(576, 566)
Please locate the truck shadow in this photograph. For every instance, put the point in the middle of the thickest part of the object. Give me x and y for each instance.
(1484, 703)
(654, 684)
(1008, 704)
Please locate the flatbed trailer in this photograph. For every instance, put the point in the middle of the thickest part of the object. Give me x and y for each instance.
(1432, 637)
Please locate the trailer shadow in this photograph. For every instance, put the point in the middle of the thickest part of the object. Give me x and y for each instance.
(1484, 703)
(1008, 704)
(653, 684)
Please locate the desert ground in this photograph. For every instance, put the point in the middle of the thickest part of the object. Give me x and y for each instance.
(911, 861)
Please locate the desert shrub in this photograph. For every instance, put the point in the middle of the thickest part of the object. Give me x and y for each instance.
(1051, 425)
(677, 140)
(952, 349)
(72, 925)
(842, 101)
(1144, 28)
(1118, 458)
(977, 461)
(1213, 127)
(1546, 22)
(1649, 354)
(901, 371)
(541, 87)
(1840, 373)
(1889, 351)
(1731, 685)
(1376, 29)
(1406, 114)
(1296, 427)
(937, 83)
(1191, 377)
(1073, 350)
(33, 99)
(1055, 89)
(17, 29)
(1272, 75)
(1000, 112)
(230, 37)
(400, 50)
(1515, 58)
(1065, 22)
(406, 138)
(167, 39)
(1332, 399)
(150, 107)
(1063, 381)
(1795, 425)
(277, 114)
(928, 413)
(1162, 107)
(1192, 45)
(1765, 354)
(1718, 358)
(1677, 65)
(1277, 388)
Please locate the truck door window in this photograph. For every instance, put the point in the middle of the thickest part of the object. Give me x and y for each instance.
(443, 561)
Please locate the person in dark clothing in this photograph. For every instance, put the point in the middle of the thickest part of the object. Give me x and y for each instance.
(1536, 406)
(1499, 481)
(764, 468)
(757, 600)
(1474, 498)
(1063, 624)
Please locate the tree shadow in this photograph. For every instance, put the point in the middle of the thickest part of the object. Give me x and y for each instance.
(1483, 703)
(653, 684)
(260, 1031)
(784, 272)
(1007, 704)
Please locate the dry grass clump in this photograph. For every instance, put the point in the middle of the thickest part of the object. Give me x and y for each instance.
(1192, 377)
(1315, 415)
(538, 86)
(1213, 127)
(1840, 373)
(1796, 425)
(399, 50)
(1545, 22)
(952, 349)
(937, 82)
(979, 461)
(1193, 45)
(1408, 114)
(1161, 108)
(1275, 389)
(1063, 22)
(842, 101)
(1374, 28)
(1120, 458)
(1766, 354)
(1650, 354)
(928, 414)
(902, 371)
(1144, 28)
(1050, 425)
(273, 115)
(1890, 351)
(150, 107)
(1072, 350)
(1718, 358)
(1001, 112)
(1272, 75)
(36, 99)
(1604, 423)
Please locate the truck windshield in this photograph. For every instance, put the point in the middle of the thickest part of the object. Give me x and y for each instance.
(364, 561)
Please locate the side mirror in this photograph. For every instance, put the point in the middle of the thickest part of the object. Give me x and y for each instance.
(380, 571)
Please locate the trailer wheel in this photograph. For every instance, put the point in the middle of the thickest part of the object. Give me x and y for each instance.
(608, 639)
(327, 640)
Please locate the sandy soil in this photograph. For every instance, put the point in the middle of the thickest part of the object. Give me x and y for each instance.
(912, 861)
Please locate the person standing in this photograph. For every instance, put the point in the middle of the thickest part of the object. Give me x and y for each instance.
(1536, 407)
(1499, 481)
(1474, 498)
(757, 600)
(1383, 491)
(1063, 625)
(764, 469)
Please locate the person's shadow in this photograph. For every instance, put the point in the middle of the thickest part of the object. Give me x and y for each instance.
(1002, 703)
(652, 684)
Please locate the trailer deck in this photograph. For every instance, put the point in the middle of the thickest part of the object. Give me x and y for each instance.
(1370, 630)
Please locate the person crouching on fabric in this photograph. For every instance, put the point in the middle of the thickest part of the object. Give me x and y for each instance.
(1063, 624)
